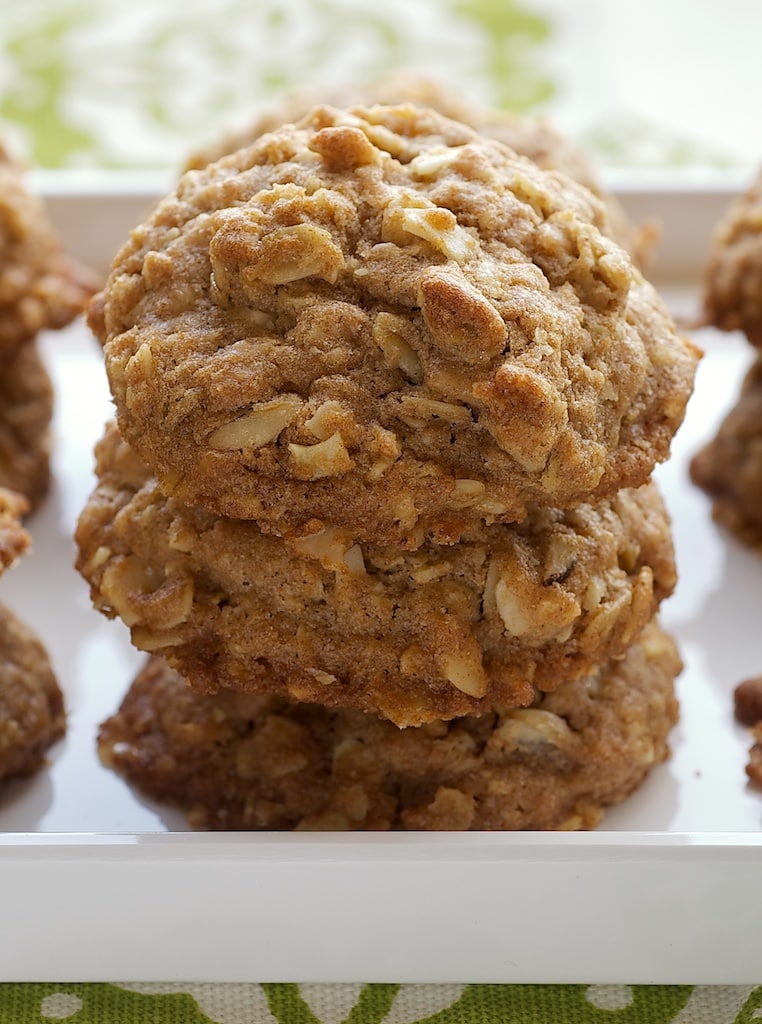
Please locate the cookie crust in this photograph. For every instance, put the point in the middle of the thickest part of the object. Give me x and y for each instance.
(241, 762)
(412, 636)
(381, 320)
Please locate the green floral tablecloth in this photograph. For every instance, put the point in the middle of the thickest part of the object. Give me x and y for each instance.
(108, 84)
(111, 84)
(379, 1004)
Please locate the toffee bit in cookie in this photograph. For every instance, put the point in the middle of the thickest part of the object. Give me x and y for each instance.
(747, 701)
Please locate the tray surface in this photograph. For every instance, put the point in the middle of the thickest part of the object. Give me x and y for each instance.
(696, 809)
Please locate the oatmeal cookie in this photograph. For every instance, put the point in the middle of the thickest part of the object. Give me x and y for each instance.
(26, 409)
(31, 704)
(381, 320)
(754, 766)
(40, 286)
(729, 468)
(14, 539)
(732, 289)
(236, 761)
(533, 137)
(411, 635)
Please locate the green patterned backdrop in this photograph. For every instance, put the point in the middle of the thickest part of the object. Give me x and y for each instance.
(111, 84)
(374, 1004)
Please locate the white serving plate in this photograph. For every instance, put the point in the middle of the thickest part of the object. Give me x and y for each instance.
(103, 885)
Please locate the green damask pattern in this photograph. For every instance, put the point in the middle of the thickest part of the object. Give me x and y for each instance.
(42, 67)
(79, 79)
(478, 1004)
(513, 36)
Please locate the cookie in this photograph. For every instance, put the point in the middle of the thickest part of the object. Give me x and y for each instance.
(235, 761)
(754, 765)
(31, 704)
(732, 286)
(380, 320)
(14, 539)
(533, 137)
(729, 467)
(26, 409)
(40, 286)
(410, 635)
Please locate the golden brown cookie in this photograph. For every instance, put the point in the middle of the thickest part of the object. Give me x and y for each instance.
(732, 288)
(754, 765)
(533, 137)
(14, 539)
(381, 320)
(26, 409)
(31, 704)
(729, 468)
(411, 635)
(235, 761)
(40, 286)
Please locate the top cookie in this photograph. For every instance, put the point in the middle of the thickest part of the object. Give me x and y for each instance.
(733, 276)
(381, 320)
(533, 137)
(40, 286)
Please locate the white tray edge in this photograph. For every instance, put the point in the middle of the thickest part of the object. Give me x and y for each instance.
(529, 899)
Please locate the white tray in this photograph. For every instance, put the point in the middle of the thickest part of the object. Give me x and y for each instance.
(102, 885)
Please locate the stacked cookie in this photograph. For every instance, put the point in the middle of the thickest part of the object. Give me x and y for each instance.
(729, 467)
(31, 704)
(378, 499)
(40, 288)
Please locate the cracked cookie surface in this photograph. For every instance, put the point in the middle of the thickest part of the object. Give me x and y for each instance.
(380, 320)
(235, 761)
(410, 635)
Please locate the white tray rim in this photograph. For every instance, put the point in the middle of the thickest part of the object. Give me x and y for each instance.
(151, 912)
